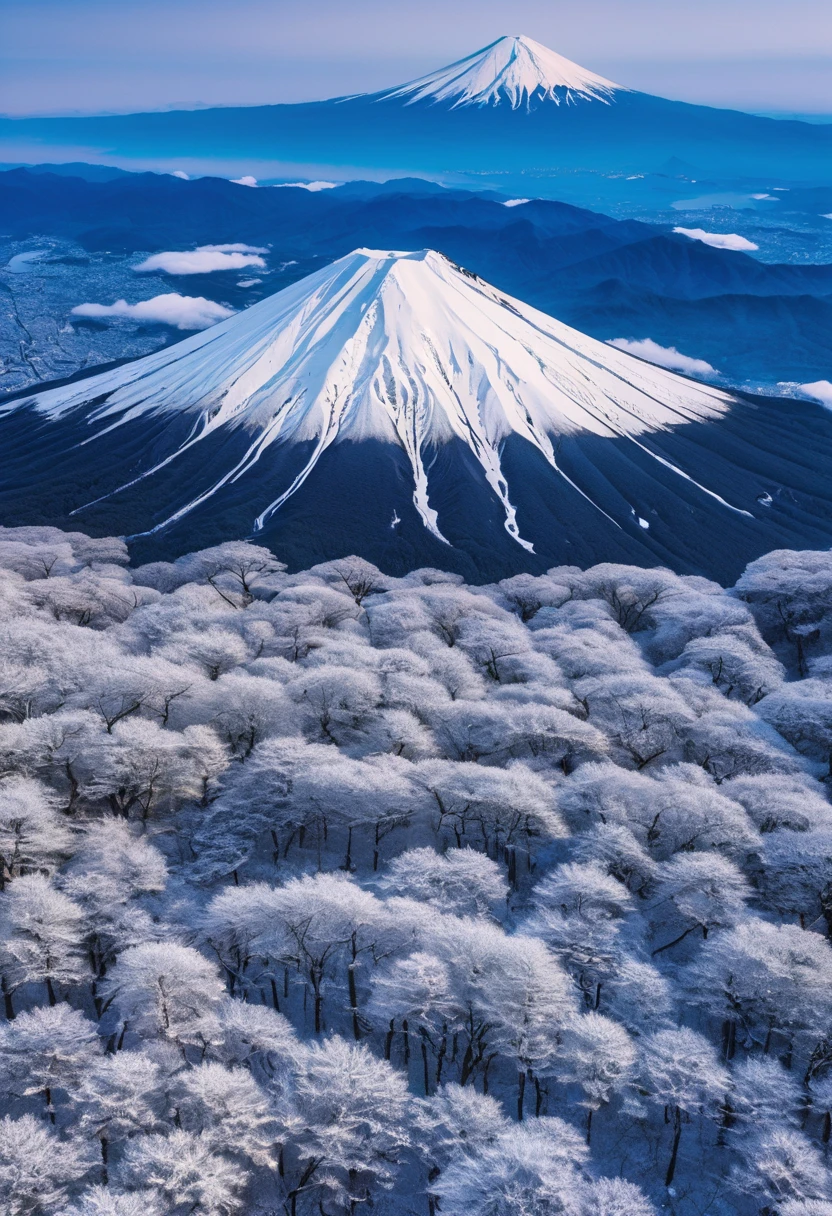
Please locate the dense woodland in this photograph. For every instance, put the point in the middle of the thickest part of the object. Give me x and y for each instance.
(329, 893)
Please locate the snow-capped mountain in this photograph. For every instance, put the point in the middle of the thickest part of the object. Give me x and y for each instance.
(513, 70)
(395, 405)
(514, 114)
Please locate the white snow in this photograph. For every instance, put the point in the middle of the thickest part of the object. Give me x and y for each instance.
(185, 312)
(718, 240)
(402, 347)
(664, 356)
(513, 69)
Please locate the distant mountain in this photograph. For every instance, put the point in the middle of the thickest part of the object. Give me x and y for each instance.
(512, 109)
(396, 405)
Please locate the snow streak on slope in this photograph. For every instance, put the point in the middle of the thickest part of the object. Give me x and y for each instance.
(517, 70)
(406, 348)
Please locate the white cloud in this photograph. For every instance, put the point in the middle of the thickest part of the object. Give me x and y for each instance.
(248, 180)
(181, 173)
(313, 186)
(248, 282)
(664, 356)
(203, 260)
(820, 391)
(183, 312)
(719, 240)
(826, 217)
(238, 248)
(515, 202)
(770, 197)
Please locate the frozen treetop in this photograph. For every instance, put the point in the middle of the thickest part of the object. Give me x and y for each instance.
(406, 348)
(516, 70)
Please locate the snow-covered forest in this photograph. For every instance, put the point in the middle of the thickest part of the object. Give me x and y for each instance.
(328, 893)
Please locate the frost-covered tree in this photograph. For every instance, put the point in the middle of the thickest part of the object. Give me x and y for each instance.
(228, 1109)
(355, 1113)
(185, 1173)
(461, 881)
(47, 1049)
(41, 938)
(163, 989)
(680, 1070)
(766, 978)
(36, 1167)
(532, 1168)
(32, 836)
(598, 1055)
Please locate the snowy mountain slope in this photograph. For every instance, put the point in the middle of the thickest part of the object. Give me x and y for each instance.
(401, 347)
(516, 70)
(396, 405)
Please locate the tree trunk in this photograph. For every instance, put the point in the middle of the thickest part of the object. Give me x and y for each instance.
(589, 1125)
(47, 1094)
(356, 1028)
(729, 1038)
(7, 1000)
(443, 1051)
(521, 1094)
(425, 1064)
(105, 1154)
(677, 1135)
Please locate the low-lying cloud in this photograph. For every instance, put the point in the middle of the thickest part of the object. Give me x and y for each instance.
(313, 186)
(248, 180)
(820, 391)
(237, 247)
(204, 259)
(719, 240)
(663, 356)
(182, 312)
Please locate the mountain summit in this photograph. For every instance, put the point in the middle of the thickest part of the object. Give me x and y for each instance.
(516, 70)
(395, 405)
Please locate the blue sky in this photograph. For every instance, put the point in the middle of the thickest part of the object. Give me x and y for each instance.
(63, 56)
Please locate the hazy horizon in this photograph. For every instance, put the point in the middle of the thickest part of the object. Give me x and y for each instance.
(91, 56)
